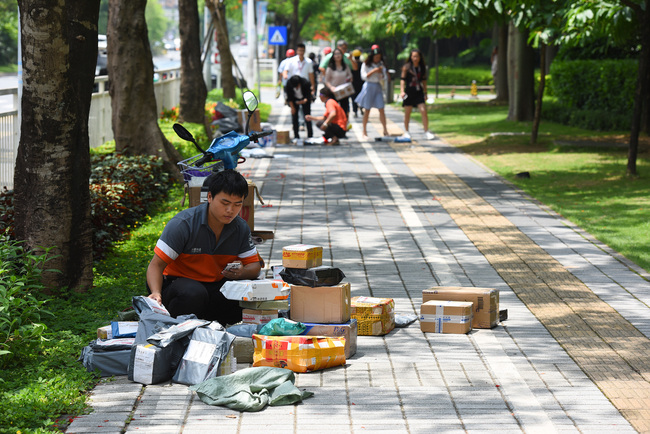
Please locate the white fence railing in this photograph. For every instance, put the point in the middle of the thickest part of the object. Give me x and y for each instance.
(166, 88)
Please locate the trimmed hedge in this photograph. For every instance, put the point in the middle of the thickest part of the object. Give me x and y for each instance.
(606, 85)
(459, 76)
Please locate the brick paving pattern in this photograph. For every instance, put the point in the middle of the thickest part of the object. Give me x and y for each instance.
(400, 218)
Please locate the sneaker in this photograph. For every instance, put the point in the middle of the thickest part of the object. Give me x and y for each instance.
(406, 135)
(430, 135)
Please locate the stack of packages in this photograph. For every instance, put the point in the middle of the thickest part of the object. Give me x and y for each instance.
(185, 350)
(324, 336)
(458, 309)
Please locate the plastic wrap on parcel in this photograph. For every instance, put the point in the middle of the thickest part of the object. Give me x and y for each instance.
(298, 353)
(255, 290)
(317, 276)
(375, 316)
(178, 331)
(151, 323)
(208, 348)
(110, 357)
(150, 364)
(282, 327)
(141, 303)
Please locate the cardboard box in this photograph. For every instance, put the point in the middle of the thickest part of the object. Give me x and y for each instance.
(375, 316)
(323, 305)
(242, 349)
(486, 302)
(302, 256)
(198, 195)
(444, 316)
(267, 304)
(105, 332)
(247, 211)
(258, 316)
(283, 137)
(254, 124)
(348, 330)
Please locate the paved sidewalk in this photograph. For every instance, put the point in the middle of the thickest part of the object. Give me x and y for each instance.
(398, 218)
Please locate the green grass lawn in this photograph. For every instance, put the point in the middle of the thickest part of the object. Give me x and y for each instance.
(586, 184)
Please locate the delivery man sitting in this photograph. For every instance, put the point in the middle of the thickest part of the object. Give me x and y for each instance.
(189, 263)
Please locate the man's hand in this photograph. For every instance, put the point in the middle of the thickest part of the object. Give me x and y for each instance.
(156, 297)
(235, 272)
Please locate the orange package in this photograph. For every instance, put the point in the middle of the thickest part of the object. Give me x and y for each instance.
(298, 353)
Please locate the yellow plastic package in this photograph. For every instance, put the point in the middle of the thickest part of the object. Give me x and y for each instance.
(298, 353)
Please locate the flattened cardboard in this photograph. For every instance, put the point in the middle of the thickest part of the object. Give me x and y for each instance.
(444, 316)
(323, 305)
(486, 302)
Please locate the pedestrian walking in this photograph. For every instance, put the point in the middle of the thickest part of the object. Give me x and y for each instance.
(282, 82)
(413, 91)
(302, 66)
(336, 74)
(373, 72)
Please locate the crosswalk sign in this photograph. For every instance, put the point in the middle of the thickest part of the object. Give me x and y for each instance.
(278, 35)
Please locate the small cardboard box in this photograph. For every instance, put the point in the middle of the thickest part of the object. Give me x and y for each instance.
(242, 349)
(302, 256)
(247, 211)
(444, 316)
(283, 137)
(265, 305)
(258, 316)
(198, 195)
(255, 122)
(105, 332)
(348, 330)
(323, 305)
(486, 302)
(375, 316)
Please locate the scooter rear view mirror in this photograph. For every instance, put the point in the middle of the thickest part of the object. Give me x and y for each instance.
(182, 132)
(250, 100)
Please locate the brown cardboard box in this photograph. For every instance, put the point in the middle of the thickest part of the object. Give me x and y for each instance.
(444, 316)
(348, 330)
(197, 196)
(255, 122)
(247, 211)
(375, 316)
(258, 316)
(242, 348)
(324, 304)
(486, 302)
(302, 256)
(105, 332)
(265, 305)
(283, 137)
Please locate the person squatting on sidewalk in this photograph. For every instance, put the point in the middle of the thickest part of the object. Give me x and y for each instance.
(187, 270)
(298, 91)
(334, 121)
(413, 91)
(374, 73)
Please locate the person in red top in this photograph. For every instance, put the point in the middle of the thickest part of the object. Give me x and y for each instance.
(333, 122)
(188, 267)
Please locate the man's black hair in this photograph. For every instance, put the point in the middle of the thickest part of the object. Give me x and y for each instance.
(300, 45)
(228, 181)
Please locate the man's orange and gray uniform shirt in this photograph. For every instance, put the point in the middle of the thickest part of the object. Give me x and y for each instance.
(190, 248)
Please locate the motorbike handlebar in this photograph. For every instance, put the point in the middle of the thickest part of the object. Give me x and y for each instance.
(205, 159)
(256, 135)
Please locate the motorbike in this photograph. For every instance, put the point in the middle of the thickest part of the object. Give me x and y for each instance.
(223, 152)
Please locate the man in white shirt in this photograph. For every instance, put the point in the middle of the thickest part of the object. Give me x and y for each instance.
(302, 66)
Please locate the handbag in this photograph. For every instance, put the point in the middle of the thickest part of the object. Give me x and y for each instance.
(343, 91)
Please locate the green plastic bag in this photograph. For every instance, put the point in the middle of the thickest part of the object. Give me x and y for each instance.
(282, 327)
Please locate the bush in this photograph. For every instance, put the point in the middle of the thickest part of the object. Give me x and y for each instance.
(600, 85)
(450, 76)
(21, 329)
(122, 190)
(596, 120)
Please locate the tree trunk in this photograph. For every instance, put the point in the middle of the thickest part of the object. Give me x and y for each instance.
(522, 92)
(193, 88)
(130, 71)
(218, 11)
(52, 196)
(502, 65)
(511, 62)
(641, 93)
(540, 95)
(295, 28)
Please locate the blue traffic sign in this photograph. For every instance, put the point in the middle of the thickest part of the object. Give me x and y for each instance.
(278, 35)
